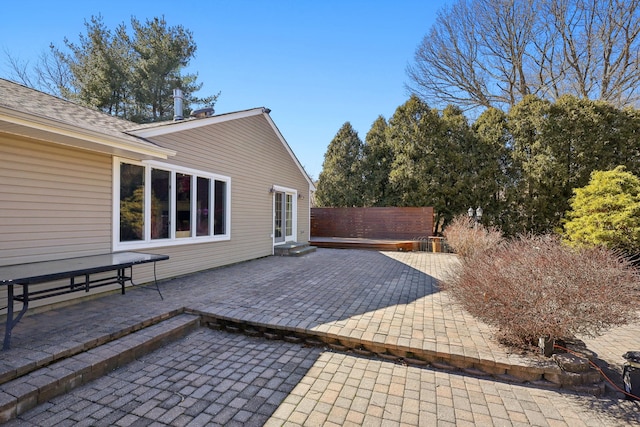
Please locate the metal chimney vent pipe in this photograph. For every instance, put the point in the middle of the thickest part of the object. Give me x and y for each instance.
(177, 105)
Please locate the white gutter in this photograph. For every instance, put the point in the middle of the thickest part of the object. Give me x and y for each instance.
(80, 137)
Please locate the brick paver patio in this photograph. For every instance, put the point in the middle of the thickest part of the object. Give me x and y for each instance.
(213, 377)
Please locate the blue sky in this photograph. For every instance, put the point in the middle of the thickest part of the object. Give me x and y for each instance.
(315, 64)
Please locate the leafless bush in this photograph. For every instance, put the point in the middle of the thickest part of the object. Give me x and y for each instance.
(466, 238)
(536, 287)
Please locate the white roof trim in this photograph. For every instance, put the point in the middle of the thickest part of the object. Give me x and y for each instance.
(289, 150)
(165, 128)
(82, 138)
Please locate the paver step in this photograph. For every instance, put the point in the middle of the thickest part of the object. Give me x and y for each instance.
(23, 361)
(39, 385)
(293, 249)
(302, 251)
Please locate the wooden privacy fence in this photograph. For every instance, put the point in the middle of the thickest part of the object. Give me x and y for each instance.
(372, 223)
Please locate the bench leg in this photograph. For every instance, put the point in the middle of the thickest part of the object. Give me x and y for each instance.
(121, 278)
(11, 322)
(155, 280)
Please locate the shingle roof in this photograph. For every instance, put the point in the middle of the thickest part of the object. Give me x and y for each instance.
(39, 104)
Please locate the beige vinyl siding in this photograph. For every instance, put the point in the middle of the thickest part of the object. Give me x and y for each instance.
(247, 151)
(55, 202)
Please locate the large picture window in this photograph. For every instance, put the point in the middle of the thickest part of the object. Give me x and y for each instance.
(161, 205)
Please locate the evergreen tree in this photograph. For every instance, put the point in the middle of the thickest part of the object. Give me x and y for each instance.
(534, 192)
(457, 168)
(492, 158)
(377, 160)
(412, 133)
(100, 68)
(340, 182)
(555, 147)
(606, 212)
(161, 53)
(434, 164)
(521, 167)
(127, 75)
(588, 135)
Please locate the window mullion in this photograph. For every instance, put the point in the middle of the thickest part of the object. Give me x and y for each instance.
(174, 203)
(194, 206)
(146, 214)
(212, 187)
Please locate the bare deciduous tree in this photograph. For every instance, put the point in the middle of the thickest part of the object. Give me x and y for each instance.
(448, 64)
(48, 74)
(492, 53)
(597, 48)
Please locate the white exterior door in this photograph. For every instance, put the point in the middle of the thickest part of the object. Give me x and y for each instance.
(284, 224)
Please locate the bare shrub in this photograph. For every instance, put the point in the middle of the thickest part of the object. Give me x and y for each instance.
(466, 238)
(536, 287)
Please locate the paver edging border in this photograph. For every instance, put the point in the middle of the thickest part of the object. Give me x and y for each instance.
(549, 376)
(60, 376)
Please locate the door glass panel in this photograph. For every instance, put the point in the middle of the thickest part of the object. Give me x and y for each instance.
(279, 199)
(289, 215)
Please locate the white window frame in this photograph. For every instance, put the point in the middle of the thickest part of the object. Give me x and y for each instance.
(147, 242)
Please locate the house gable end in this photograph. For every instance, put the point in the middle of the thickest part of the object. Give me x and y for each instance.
(169, 128)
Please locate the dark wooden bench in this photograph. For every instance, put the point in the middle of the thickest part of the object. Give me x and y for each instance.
(78, 270)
